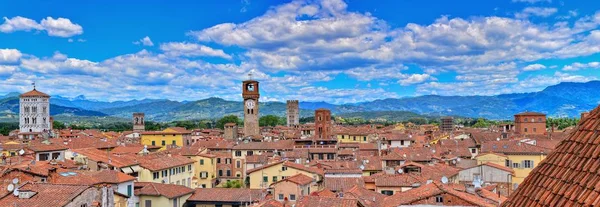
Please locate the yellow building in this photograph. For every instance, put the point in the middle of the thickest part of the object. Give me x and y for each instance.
(262, 177)
(11, 148)
(158, 194)
(173, 136)
(519, 156)
(353, 137)
(205, 169)
(168, 169)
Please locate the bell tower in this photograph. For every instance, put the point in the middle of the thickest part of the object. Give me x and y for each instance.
(250, 93)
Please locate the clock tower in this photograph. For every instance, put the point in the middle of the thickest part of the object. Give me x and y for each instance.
(250, 94)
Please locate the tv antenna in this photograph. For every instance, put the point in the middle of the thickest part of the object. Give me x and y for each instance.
(444, 180)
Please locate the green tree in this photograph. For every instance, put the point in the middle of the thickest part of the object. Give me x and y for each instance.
(58, 125)
(269, 120)
(481, 123)
(232, 184)
(186, 124)
(5, 128)
(227, 119)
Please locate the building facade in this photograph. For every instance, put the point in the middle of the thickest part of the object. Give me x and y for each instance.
(530, 123)
(231, 131)
(250, 93)
(323, 126)
(447, 124)
(34, 112)
(293, 113)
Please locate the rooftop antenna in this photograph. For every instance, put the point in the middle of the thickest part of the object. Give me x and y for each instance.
(33, 84)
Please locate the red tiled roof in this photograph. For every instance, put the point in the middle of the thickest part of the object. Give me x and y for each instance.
(81, 177)
(433, 189)
(288, 164)
(277, 145)
(315, 201)
(568, 176)
(124, 160)
(513, 147)
(367, 197)
(339, 184)
(159, 189)
(324, 193)
(299, 179)
(157, 163)
(46, 195)
(227, 195)
(34, 92)
(400, 180)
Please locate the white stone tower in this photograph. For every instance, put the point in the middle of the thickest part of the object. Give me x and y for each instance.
(138, 122)
(34, 112)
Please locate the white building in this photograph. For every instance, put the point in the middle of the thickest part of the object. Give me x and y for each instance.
(34, 113)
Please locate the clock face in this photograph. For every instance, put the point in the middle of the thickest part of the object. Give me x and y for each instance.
(250, 104)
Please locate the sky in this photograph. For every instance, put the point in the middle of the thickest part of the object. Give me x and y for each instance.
(324, 50)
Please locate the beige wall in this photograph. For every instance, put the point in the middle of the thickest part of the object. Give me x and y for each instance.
(161, 201)
(256, 178)
(288, 188)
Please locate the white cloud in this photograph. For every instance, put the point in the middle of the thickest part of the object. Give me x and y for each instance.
(578, 66)
(533, 67)
(414, 79)
(146, 41)
(536, 11)
(10, 55)
(19, 23)
(532, 1)
(60, 27)
(191, 50)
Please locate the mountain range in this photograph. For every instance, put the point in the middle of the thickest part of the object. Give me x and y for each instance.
(561, 100)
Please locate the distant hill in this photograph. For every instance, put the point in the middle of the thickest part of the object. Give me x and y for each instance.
(564, 99)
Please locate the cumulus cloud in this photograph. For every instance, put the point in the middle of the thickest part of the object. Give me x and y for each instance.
(146, 41)
(578, 66)
(191, 50)
(536, 11)
(533, 67)
(60, 27)
(9, 55)
(414, 79)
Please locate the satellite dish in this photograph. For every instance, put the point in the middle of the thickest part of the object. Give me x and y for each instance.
(454, 162)
(16, 192)
(367, 161)
(458, 159)
(433, 151)
(362, 167)
(400, 171)
(444, 180)
(10, 187)
(15, 181)
(498, 139)
(75, 154)
(404, 155)
(21, 152)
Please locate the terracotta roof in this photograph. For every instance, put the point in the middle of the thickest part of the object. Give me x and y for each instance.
(400, 180)
(365, 196)
(227, 195)
(163, 162)
(81, 177)
(339, 184)
(530, 113)
(433, 189)
(432, 171)
(324, 193)
(269, 203)
(159, 189)
(299, 179)
(46, 146)
(124, 160)
(34, 92)
(46, 195)
(315, 201)
(257, 158)
(568, 175)
(497, 166)
(277, 145)
(288, 164)
(513, 147)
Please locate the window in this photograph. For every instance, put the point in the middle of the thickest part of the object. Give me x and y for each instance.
(175, 202)
(220, 172)
(228, 173)
(190, 168)
(238, 164)
(439, 199)
(203, 174)
(508, 163)
(265, 179)
(203, 185)
(56, 155)
(539, 119)
(528, 163)
(238, 153)
(163, 143)
(280, 197)
(516, 165)
(365, 139)
(330, 156)
(354, 138)
(473, 150)
(387, 192)
(534, 129)
(274, 178)
(218, 160)
(173, 142)
(202, 162)
(525, 129)
(83, 205)
(165, 173)
(320, 156)
(153, 143)
(155, 175)
(129, 189)
(292, 197)
(284, 168)
(227, 161)
(249, 153)
(44, 156)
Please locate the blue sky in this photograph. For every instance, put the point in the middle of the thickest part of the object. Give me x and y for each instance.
(330, 50)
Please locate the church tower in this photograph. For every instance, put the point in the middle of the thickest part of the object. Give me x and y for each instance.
(293, 113)
(34, 112)
(250, 93)
(138, 122)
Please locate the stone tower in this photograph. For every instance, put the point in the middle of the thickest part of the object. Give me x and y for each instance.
(231, 131)
(250, 93)
(293, 113)
(34, 112)
(323, 124)
(139, 122)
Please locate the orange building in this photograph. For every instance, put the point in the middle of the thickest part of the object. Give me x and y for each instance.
(530, 123)
(323, 126)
